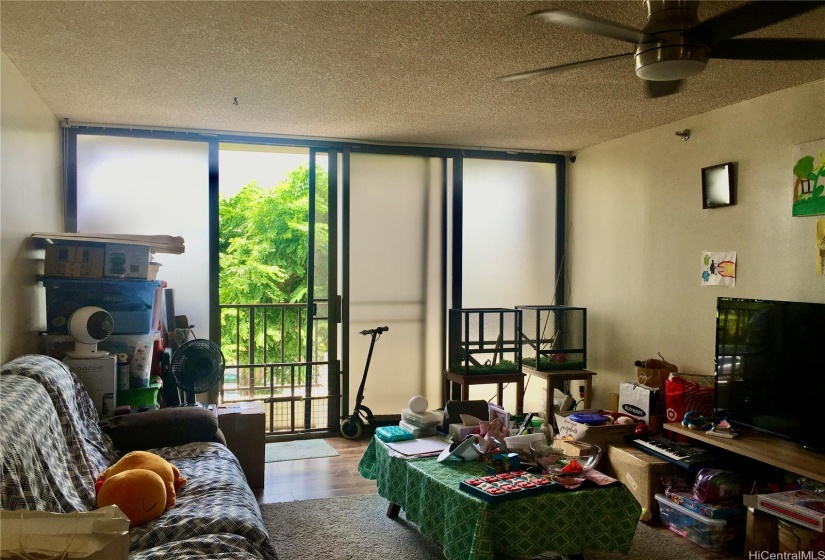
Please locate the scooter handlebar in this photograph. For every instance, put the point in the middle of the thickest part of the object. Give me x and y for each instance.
(378, 330)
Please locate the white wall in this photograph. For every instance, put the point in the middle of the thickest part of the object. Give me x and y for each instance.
(31, 200)
(638, 230)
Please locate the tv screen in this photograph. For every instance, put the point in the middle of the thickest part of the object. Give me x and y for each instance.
(770, 367)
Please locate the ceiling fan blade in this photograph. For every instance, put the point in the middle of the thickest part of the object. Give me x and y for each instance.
(655, 89)
(770, 49)
(592, 24)
(749, 17)
(560, 68)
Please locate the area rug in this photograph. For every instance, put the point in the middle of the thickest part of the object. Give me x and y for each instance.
(357, 527)
(298, 449)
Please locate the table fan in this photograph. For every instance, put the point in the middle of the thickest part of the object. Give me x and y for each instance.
(197, 366)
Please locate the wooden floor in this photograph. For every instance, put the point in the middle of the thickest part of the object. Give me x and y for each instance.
(327, 477)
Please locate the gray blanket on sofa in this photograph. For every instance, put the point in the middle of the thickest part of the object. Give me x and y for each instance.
(216, 515)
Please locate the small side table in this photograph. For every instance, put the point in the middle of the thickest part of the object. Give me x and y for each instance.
(244, 427)
(455, 380)
(556, 378)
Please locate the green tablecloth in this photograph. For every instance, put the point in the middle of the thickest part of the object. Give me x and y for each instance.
(469, 528)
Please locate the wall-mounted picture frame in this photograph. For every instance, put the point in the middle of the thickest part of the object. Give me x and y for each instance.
(809, 179)
(718, 185)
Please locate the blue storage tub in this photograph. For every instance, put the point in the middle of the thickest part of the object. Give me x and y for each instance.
(130, 302)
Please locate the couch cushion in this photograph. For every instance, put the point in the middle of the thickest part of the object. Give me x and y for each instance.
(165, 427)
(89, 448)
(215, 503)
(36, 477)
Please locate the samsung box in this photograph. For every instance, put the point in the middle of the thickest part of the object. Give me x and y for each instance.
(130, 302)
(74, 261)
(640, 472)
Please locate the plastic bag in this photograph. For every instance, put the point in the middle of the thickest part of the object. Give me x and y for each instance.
(653, 372)
(684, 393)
(102, 534)
(717, 487)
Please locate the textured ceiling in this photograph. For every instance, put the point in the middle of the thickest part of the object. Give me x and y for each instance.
(412, 72)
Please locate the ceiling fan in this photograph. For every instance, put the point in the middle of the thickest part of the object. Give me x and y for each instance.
(675, 45)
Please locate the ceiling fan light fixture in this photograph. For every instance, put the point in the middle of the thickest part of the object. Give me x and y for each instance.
(669, 70)
(673, 62)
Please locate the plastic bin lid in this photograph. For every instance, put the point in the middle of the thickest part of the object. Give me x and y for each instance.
(589, 418)
(664, 500)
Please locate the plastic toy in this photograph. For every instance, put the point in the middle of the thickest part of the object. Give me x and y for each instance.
(141, 484)
(695, 421)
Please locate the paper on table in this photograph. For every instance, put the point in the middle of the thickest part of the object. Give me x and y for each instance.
(422, 446)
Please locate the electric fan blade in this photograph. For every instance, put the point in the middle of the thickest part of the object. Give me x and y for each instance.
(770, 49)
(560, 68)
(748, 17)
(595, 25)
(655, 89)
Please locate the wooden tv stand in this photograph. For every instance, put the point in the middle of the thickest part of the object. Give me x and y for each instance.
(761, 447)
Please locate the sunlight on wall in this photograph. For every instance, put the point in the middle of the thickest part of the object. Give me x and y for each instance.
(152, 187)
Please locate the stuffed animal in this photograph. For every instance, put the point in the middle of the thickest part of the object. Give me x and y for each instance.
(141, 484)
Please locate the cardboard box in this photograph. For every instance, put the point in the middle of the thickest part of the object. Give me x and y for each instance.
(613, 402)
(761, 533)
(126, 261)
(640, 472)
(74, 261)
(598, 435)
(803, 507)
(99, 378)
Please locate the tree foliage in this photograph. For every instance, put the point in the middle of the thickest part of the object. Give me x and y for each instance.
(263, 244)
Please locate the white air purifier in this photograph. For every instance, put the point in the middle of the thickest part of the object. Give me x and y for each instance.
(89, 326)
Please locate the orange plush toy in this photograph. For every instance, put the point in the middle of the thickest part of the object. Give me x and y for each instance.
(141, 484)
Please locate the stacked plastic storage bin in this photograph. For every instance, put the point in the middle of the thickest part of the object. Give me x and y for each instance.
(711, 514)
(118, 278)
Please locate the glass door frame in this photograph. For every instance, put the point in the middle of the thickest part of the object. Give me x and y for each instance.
(338, 303)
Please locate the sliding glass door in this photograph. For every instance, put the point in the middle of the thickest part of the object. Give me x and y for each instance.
(294, 248)
(394, 274)
(509, 250)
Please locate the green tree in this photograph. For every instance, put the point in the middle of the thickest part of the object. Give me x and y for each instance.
(263, 243)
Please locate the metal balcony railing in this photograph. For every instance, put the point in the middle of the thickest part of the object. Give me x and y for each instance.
(264, 345)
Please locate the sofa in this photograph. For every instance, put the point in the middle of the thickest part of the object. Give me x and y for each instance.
(54, 448)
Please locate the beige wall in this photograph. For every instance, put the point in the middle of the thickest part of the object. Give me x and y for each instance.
(638, 230)
(30, 200)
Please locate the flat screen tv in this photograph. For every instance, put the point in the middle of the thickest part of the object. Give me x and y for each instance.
(770, 367)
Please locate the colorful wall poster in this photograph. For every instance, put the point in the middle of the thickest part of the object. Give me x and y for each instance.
(809, 179)
(820, 247)
(718, 269)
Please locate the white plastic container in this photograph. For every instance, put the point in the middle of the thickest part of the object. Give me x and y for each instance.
(57, 345)
(712, 534)
(426, 419)
(417, 431)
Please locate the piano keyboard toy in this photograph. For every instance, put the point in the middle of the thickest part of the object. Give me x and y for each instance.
(507, 486)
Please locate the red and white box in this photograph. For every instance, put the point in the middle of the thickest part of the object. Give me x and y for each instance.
(803, 507)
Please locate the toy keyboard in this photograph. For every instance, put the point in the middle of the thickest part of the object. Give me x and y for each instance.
(507, 486)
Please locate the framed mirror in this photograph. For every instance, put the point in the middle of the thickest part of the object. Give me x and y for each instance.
(717, 186)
